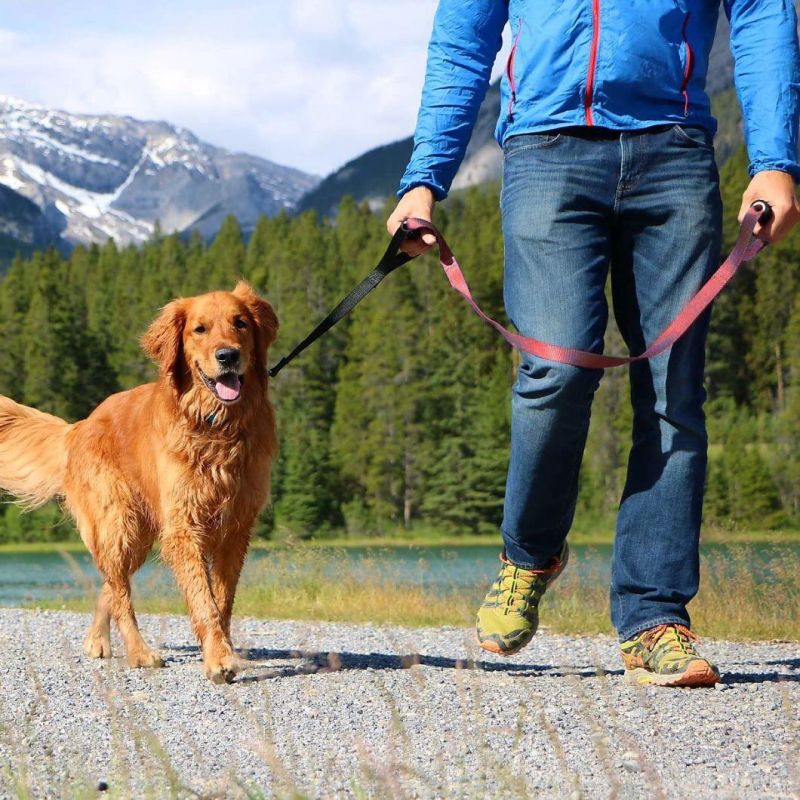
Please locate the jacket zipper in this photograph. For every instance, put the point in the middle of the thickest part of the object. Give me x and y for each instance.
(587, 103)
(689, 68)
(510, 74)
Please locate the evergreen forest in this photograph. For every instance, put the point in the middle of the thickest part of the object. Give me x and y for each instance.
(399, 418)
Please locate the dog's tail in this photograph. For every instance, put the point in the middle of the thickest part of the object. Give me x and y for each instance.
(33, 453)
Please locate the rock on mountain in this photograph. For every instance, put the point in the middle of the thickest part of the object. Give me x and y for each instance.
(374, 176)
(23, 226)
(370, 178)
(483, 160)
(95, 177)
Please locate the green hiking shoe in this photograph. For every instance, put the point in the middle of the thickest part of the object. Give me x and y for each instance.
(509, 616)
(665, 656)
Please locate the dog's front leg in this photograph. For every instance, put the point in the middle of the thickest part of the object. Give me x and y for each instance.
(182, 550)
(226, 568)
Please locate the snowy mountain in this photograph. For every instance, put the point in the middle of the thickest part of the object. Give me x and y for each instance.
(95, 177)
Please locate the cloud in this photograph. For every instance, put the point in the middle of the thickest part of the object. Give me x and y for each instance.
(311, 83)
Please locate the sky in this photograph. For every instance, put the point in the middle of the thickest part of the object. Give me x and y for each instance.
(306, 83)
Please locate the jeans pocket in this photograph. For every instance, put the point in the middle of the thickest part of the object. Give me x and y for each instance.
(530, 141)
(693, 136)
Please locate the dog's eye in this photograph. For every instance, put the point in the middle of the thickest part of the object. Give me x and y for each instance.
(200, 329)
(240, 323)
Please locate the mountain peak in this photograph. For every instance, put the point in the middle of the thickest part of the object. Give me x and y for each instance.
(9, 101)
(100, 176)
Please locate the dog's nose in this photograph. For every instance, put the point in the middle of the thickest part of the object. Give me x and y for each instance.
(228, 356)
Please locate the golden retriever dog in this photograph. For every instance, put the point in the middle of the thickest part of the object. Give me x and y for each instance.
(186, 459)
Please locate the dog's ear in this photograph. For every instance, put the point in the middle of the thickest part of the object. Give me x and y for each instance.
(163, 340)
(261, 311)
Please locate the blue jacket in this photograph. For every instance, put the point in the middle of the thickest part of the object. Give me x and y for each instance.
(620, 64)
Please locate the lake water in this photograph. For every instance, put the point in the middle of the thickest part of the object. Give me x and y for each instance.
(26, 578)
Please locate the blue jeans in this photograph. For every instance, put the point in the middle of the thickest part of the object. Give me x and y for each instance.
(645, 206)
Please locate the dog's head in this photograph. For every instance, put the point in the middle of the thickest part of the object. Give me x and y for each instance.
(214, 341)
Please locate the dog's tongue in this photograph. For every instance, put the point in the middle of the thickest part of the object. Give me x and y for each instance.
(228, 386)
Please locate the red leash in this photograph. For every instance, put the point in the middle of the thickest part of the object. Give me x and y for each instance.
(746, 247)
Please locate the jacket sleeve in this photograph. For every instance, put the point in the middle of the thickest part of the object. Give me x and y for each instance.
(467, 35)
(767, 74)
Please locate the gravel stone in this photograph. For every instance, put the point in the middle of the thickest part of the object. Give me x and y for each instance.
(328, 710)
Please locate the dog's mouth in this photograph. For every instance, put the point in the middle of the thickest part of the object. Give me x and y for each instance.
(226, 387)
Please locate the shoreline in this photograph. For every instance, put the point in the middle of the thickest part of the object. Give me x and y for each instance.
(596, 538)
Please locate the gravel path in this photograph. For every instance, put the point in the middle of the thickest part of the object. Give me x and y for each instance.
(333, 710)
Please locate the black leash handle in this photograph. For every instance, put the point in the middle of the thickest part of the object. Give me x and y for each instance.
(392, 259)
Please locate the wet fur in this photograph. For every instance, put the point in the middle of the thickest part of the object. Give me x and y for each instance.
(148, 464)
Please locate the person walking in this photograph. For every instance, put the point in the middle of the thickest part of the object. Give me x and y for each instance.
(609, 166)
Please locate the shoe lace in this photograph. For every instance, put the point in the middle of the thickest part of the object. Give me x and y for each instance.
(683, 637)
(517, 585)
(515, 588)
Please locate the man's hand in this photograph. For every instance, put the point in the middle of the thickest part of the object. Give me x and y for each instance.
(419, 203)
(777, 189)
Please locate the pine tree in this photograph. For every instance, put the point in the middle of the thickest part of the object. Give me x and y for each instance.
(14, 302)
(305, 486)
(752, 496)
(469, 371)
(787, 436)
(226, 255)
(51, 374)
(729, 372)
(375, 431)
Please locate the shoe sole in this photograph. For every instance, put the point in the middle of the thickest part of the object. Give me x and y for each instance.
(699, 673)
(492, 647)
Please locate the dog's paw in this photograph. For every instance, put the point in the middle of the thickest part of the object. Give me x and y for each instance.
(219, 674)
(222, 670)
(97, 645)
(145, 659)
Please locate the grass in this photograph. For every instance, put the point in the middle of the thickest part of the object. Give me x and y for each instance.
(14, 548)
(590, 533)
(736, 601)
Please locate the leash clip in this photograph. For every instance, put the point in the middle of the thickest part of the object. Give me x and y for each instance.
(275, 369)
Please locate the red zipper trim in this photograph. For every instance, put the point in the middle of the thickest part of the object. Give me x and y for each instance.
(587, 103)
(510, 73)
(687, 72)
